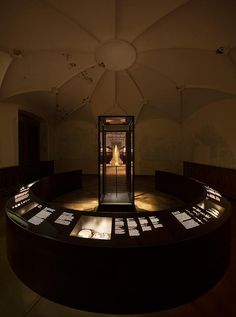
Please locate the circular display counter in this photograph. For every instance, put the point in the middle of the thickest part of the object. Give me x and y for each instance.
(117, 262)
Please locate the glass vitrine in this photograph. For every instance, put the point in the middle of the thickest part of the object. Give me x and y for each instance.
(116, 161)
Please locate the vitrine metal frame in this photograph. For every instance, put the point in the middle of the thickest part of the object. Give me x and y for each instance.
(130, 159)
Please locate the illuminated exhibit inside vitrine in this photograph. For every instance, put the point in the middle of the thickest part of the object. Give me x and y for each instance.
(116, 161)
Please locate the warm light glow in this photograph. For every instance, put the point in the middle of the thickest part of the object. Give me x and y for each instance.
(85, 233)
(116, 155)
(116, 161)
(84, 204)
(93, 228)
(146, 202)
(145, 206)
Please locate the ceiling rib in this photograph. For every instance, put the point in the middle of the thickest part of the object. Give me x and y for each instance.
(68, 114)
(5, 73)
(125, 111)
(135, 84)
(56, 50)
(177, 48)
(158, 20)
(160, 73)
(109, 108)
(90, 98)
(140, 112)
(74, 21)
(66, 81)
(185, 87)
(166, 113)
(140, 93)
(24, 92)
(115, 74)
(116, 95)
(97, 83)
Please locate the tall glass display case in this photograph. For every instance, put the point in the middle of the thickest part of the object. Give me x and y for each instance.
(116, 162)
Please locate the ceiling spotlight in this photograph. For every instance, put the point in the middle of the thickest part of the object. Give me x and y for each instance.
(15, 53)
(102, 64)
(220, 50)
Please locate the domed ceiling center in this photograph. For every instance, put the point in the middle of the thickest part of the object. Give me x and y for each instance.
(116, 55)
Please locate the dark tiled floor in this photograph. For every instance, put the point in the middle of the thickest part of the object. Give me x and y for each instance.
(16, 300)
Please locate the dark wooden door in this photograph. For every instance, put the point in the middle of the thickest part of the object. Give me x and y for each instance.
(29, 139)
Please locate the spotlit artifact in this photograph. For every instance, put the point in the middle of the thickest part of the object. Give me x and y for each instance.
(116, 161)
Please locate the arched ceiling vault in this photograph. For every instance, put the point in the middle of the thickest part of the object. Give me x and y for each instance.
(117, 56)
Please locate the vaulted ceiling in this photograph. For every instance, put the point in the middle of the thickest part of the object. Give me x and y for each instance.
(117, 56)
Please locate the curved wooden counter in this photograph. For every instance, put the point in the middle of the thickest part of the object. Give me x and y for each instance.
(119, 263)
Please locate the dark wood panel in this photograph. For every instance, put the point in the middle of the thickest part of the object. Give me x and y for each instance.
(159, 269)
(55, 185)
(14, 176)
(223, 179)
(140, 279)
(179, 186)
(29, 138)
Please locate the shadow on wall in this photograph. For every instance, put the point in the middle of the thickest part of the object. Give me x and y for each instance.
(157, 143)
(208, 145)
(76, 147)
(161, 153)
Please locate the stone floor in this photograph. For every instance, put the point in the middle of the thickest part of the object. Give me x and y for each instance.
(146, 197)
(16, 300)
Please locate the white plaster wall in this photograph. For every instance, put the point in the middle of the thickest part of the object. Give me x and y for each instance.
(76, 143)
(157, 143)
(209, 135)
(8, 135)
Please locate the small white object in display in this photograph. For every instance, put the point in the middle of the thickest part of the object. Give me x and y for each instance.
(85, 233)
